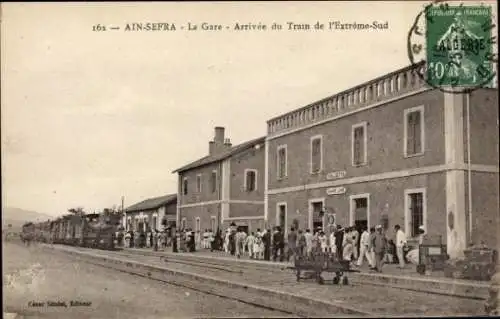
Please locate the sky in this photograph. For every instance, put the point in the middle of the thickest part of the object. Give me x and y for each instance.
(88, 117)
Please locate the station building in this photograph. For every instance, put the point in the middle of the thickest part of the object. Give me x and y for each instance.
(152, 213)
(389, 151)
(223, 187)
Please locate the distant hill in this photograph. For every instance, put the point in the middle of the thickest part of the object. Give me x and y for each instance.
(17, 217)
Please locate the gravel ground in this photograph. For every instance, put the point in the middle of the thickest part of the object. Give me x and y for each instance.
(31, 275)
(379, 300)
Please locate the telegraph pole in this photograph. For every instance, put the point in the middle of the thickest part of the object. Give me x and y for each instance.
(124, 217)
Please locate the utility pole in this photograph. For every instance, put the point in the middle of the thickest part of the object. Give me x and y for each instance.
(124, 217)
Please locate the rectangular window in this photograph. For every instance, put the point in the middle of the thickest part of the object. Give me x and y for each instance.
(359, 140)
(213, 181)
(185, 186)
(316, 154)
(282, 161)
(250, 180)
(198, 183)
(213, 223)
(198, 224)
(414, 131)
(416, 212)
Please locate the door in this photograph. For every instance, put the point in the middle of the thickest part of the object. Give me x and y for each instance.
(317, 219)
(282, 216)
(154, 224)
(416, 213)
(360, 206)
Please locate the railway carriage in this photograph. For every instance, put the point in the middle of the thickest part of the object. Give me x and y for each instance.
(92, 230)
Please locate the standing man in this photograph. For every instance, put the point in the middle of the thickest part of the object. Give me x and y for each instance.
(371, 252)
(292, 244)
(400, 244)
(205, 239)
(276, 242)
(323, 241)
(301, 243)
(309, 241)
(266, 238)
(339, 241)
(364, 249)
(379, 247)
(249, 242)
(355, 243)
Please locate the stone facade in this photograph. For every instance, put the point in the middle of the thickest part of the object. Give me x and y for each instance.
(389, 178)
(213, 191)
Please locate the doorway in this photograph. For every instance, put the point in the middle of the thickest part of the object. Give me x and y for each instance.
(316, 218)
(281, 217)
(359, 214)
(243, 228)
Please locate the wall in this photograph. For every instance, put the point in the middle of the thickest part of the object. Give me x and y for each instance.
(485, 208)
(484, 127)
(385, 195)
(385, 142)
(249, 159)
(202, 211)
(206, 190)
(171, 209)
(245, 210)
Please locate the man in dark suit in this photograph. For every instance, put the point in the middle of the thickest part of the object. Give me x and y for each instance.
(339, 241)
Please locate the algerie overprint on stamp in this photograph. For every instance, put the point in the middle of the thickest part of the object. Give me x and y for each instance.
(456, 44)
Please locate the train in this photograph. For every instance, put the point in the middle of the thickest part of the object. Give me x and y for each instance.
(90, 230)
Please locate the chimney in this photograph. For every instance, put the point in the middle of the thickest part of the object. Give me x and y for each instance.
(211, 148)
(219, 135)
(227, 143)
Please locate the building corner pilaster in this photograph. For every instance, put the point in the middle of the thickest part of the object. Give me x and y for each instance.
(455, 178)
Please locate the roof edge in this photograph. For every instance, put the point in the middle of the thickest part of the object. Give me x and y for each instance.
(229, 154)
(173, 198)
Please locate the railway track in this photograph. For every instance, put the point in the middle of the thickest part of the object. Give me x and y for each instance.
(365, 299)
(221, 283)
(281, 275)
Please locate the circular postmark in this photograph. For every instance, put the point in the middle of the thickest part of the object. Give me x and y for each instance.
(452, 48)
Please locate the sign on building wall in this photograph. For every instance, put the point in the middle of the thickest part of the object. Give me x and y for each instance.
(336, 175)
(335, 190)
(330, 219)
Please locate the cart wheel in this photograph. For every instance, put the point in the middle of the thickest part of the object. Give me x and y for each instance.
(345, 281)
(320, 280)
(336, 280)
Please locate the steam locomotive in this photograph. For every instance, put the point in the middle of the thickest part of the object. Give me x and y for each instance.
(92, 230)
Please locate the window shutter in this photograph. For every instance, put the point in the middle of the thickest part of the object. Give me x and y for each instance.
(252, 181)
(248, 185)
(358, 138)
(418, 132)
(316, 155)
(410, 133)
(282, 162)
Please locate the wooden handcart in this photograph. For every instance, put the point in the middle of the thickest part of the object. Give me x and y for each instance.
(313, 265)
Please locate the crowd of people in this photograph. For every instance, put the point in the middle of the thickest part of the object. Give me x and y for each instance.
(345, 243)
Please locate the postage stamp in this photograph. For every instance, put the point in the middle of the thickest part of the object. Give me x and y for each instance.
(456, 44)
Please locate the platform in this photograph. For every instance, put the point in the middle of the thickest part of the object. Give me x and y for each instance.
(392, 276)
